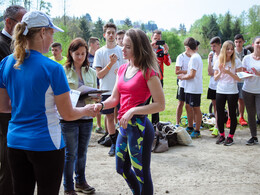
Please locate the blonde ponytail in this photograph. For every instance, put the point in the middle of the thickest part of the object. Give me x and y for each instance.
(20, 42)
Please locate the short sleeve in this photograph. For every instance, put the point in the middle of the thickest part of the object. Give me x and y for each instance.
(59, 81)
(2, 66)
(216, 65)
(178, 61)
(97, 63)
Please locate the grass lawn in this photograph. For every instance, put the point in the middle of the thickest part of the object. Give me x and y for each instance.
(170, 90)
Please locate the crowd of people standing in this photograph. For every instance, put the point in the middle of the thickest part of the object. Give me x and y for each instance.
(43, 144)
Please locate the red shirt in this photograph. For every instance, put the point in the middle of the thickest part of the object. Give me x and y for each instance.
(162, 58)
(133, 91)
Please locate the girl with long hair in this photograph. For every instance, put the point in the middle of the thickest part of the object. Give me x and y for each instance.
(136, 81)
(225, 70)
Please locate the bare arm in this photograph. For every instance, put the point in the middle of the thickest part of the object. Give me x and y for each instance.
(210, 67)
(189, 76)
(178, 70)
(5, 103)
(101, 72)
(69, 113)
(112, 101)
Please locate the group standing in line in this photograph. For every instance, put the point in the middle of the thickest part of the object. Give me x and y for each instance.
(131, 72)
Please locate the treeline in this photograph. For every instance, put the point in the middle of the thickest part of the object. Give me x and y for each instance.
(203, 29)
(226, 26)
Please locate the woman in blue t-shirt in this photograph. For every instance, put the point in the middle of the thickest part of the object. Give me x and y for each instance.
(36, 86)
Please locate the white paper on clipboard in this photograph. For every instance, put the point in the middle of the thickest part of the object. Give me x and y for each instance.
(74, 97)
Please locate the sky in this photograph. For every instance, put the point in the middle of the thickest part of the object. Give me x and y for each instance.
(165, 13)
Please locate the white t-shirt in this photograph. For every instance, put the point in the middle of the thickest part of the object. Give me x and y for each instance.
(251, 84)
(101, 59)
(226, 84)
(194, 85)
(212, 83)
(182, 61)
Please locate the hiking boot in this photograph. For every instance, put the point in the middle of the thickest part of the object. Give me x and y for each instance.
(189, 130)
(242, 121)
(252, 141)
(228, 123)
(85, 188)
(215, 132)
(229, 141)
(112, 150)
(100, 130)
(195, 134)
(220, 140)
(72, 192)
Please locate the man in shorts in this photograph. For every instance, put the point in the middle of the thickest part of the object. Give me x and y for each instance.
(193, 85)
(181, 67)
(107, 60)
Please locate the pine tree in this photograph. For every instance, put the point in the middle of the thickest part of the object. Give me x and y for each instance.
(98, 29)
(226, 28)
(83, 25)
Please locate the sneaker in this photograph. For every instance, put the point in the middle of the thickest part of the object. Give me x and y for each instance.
(242, 121)
(189, 130)
(228, 123)
(194, 126)
(72, 192)
(215, 132)
(252, 141)
(220, 140)
(228, 142)
(100, 130)
(195, 134)
(112, 150)
(177, 125)
(211, 129)
(85, 188)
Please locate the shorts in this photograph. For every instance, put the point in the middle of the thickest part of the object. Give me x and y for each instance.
(211, 94)
(180, 94)
(239, 87)
(110, 110)
(193, 99)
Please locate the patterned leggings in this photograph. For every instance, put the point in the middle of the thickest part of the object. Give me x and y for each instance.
(133, 155)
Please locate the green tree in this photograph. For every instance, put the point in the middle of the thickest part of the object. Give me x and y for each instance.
(174, 43)
(45, 7)
(254, 20)
(236, 29)
(143, 27)
(98, 29)
(111, 20)
(88, 17)
(85, 32)
(226, 28)
(182, 29)
(128, 23)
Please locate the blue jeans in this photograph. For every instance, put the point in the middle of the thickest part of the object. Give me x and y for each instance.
(76, 136)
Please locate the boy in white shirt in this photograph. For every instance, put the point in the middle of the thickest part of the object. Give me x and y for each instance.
(193, 84)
